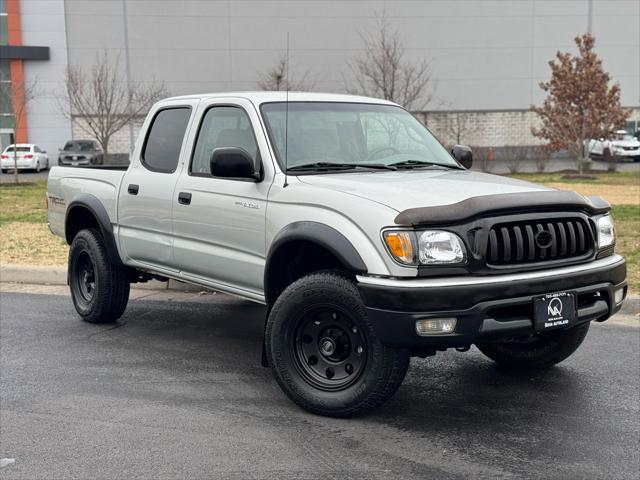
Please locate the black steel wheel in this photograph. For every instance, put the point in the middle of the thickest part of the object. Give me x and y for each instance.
(330, 348)
(324, 351)
(99, 287)
(85, 276)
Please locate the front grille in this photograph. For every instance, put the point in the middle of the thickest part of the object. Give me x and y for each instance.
(539, 240)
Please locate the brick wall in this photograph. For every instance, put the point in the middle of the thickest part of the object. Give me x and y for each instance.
(487, 128)
(483, 128)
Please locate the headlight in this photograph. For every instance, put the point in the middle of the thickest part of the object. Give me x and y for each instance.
(429, 247)
(606, 233)
(440, 247)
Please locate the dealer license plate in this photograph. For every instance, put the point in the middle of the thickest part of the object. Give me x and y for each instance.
(554, 310)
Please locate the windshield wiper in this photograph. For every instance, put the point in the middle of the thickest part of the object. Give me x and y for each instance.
(340, 166)
(406, 164)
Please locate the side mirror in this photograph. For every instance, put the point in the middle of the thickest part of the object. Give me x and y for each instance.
(463, 155)
(232, 162)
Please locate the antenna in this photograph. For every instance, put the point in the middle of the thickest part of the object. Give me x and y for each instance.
(286, 115)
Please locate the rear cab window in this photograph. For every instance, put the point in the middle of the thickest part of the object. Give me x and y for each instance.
(161, 150)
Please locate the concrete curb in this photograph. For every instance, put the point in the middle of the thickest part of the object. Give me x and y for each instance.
(55, 275)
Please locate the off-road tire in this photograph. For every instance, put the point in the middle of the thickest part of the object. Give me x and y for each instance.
(106, 301)
(381, 371)
(541, 351)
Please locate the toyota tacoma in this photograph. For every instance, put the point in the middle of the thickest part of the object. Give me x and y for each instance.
(367, 241)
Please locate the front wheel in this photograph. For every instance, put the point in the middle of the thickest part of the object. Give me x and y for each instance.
(536, 351)
(324, 352)
(99, 289)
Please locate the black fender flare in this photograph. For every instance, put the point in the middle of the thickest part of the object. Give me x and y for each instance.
(96, 208)
(322, 235)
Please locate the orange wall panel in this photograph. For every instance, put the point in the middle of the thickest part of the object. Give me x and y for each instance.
(17, 71)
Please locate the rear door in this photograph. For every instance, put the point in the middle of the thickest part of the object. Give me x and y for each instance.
(220, 232)
(145, 229)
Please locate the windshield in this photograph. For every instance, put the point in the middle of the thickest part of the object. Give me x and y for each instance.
(350, 134)
(79, 146)
(624, 136)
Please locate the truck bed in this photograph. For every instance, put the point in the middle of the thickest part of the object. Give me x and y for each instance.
(66, 184)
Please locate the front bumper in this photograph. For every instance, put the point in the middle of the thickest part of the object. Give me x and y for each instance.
(73, 163)
(488, 308)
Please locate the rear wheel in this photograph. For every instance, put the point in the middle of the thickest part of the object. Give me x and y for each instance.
(37, 166)
(324, 351)
(99, 289)
(536, 351)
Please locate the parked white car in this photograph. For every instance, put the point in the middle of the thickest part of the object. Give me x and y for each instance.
(29, 157)
(623, 145)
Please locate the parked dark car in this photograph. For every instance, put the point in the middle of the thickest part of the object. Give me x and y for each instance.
(81, 152)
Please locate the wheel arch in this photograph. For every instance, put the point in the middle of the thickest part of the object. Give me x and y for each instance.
(324, 244)
(87, 211)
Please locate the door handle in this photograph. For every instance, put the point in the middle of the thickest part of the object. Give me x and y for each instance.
(133, 189)
(184, 198)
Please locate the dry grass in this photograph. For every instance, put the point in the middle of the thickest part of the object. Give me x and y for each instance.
(627, 222)
(614, 194)
(24, 202)
(31, 244)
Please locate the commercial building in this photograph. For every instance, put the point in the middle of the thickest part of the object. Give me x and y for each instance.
(487, 57)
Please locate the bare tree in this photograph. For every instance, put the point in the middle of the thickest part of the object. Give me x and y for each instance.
(514, 156)
(458, 126)
(540, 155)
(19, 95)
(580, 104)
(103, 100)
(383, 72)
(279, 78)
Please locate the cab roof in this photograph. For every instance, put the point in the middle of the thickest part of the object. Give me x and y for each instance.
(260, 97)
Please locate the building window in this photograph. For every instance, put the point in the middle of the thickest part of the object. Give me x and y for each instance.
(4, 28)
(6, 107)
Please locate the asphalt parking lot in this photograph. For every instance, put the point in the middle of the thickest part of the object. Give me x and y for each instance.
(175, 390)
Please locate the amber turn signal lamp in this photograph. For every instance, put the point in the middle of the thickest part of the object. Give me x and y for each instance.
(400, 245)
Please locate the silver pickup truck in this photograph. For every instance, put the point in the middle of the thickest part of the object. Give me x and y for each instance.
(367, 241)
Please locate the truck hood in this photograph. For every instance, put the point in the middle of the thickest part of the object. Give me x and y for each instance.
(406, 189)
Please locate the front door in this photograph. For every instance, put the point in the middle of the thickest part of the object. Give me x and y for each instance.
(146, 193)
(219, 235)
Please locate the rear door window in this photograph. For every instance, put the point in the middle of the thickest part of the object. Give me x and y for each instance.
(161, 151)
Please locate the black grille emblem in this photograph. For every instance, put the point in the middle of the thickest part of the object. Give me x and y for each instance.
(544, 239)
